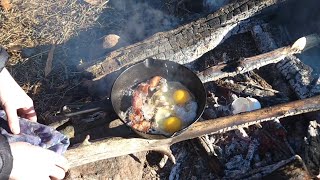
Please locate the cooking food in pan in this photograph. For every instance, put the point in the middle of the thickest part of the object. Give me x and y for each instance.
(161, 106)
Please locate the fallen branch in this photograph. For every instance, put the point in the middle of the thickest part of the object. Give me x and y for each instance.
(255, 62)
(115, 147)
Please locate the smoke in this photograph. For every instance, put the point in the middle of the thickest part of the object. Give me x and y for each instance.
(213, 5)
(143, 19)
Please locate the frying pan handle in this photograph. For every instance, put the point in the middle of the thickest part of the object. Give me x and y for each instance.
(69, 110)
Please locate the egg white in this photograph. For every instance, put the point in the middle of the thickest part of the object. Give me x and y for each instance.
(166, 106)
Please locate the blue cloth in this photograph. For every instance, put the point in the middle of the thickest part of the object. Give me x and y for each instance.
(36, 134)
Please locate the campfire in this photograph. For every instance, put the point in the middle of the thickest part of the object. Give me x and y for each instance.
(259, 142)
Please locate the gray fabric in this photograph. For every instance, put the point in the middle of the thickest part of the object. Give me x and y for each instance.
(5, 158)
(36, 134)
(4, 56)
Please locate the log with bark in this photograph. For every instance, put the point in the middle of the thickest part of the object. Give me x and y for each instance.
(113, 147)
(186, 43)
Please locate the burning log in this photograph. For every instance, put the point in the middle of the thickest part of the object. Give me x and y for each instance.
(186, 43)
(293, 167)
(294, 71)
(255, 62)
(120, 146)
(250, 63)
(299, 78)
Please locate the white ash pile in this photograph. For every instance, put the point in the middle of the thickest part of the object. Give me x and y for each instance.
(248, 152)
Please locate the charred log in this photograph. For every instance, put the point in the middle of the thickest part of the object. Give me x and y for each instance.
(185, 43)
(248, 64)
(298, 75)
(292, 168)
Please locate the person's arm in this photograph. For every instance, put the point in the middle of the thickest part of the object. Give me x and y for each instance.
(21, 160)
(13, 99)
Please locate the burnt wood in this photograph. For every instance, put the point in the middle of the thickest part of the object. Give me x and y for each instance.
(186, 43)
(297, 74)
(276, 55)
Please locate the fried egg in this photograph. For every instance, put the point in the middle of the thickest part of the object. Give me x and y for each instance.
(172, 124)
(175, 107)
(181, 96)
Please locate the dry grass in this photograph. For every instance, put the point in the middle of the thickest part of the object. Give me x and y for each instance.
(37, 22)
(36, 25)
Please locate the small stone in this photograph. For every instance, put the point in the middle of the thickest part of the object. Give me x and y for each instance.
(110, 41)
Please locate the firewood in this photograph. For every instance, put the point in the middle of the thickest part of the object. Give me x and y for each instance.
(255, 62)
(186, 43)
(298, 74)
(114, 147)
(300, 79)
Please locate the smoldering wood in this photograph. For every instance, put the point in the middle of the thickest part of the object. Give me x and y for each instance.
(248, 64)
(114, 147)
(311, 150)
(298, 74)
(213, 160)
(186, 43)
(299, 78)
(254, 91)
(241, 66)
(295, 165)
(247, 89)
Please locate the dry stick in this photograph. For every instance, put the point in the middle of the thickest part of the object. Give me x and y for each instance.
(115, 147)
(248, 64)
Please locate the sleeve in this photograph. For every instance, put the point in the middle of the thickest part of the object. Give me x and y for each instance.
(6, 159)
(3, 58)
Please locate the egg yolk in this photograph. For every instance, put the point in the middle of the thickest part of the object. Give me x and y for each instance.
(181, 96)
(172, 124)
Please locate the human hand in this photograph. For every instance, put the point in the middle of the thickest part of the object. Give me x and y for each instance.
(14, 100)
(36, 163)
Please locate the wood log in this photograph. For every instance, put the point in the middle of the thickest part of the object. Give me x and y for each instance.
(299, 77)
(298, 74)
(186, 43)
(241, 66)
(255, 62)
(114, 147)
